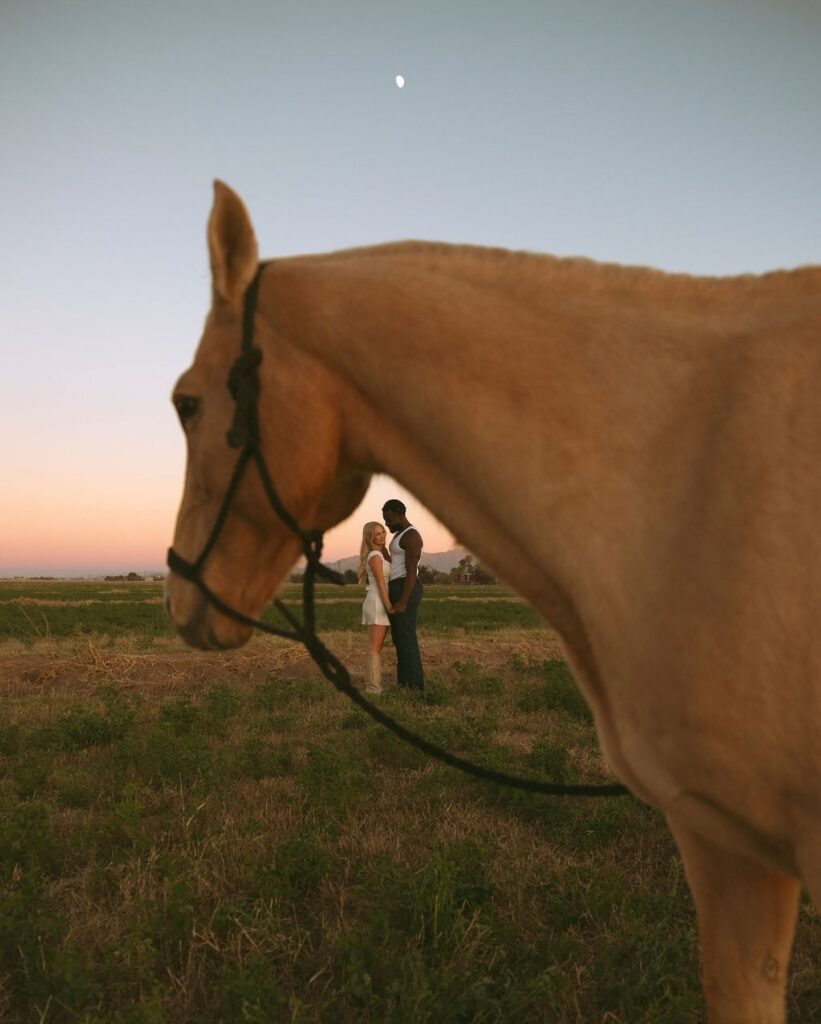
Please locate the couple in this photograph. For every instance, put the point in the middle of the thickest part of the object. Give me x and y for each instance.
(392, 596)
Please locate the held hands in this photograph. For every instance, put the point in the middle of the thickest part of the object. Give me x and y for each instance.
(399, 607)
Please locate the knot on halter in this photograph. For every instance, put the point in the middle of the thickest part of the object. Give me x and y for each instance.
(243, 383)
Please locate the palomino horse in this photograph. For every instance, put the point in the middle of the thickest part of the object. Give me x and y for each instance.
(636, 452)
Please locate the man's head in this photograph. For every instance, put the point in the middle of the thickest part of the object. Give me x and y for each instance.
(393, 513)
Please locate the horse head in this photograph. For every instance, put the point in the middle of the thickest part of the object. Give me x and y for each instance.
(301, 440)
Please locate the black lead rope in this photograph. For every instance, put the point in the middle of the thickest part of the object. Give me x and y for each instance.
(243, 383)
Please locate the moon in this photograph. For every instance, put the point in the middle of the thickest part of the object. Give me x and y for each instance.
(400, 82)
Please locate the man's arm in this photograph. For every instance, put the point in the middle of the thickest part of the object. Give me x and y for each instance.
(411, 543)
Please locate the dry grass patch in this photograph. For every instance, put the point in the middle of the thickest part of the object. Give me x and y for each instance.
(188, 837)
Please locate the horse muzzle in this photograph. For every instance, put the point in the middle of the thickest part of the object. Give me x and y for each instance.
(197, 622)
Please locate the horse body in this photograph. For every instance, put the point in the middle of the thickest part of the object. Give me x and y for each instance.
(633, 451)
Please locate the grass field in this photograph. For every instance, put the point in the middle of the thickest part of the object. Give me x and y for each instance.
(196, 838)
(32, 610)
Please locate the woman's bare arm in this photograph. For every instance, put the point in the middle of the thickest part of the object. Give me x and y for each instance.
(379, 577)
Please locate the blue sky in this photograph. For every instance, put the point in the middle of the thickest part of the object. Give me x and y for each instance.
(682, 135)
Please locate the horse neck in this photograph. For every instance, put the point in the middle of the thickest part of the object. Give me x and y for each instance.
(520, 398)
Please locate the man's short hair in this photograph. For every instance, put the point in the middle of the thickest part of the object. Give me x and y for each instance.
(395, 505)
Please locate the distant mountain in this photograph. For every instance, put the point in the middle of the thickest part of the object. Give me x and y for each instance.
(441, 561)
(444, 561)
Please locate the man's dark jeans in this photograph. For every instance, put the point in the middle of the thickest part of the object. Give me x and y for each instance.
(403, 631)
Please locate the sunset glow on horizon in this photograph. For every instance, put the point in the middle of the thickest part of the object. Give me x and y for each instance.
(104, 530)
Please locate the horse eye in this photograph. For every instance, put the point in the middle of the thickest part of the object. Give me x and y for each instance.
(186, 407)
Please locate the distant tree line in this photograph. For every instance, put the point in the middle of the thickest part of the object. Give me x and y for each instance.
(466, 571)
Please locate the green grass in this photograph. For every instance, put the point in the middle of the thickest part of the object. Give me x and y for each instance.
(119, 610)
(264, 852)
(186, 852)
(256, 849)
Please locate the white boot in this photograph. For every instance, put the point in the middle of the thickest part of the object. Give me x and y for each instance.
(371, 685)
(376, 671)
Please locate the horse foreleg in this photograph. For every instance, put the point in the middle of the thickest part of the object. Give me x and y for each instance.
(746, 920)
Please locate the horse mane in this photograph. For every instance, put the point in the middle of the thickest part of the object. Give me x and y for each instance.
(498, 266)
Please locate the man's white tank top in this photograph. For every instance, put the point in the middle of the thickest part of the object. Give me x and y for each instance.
(398, 567)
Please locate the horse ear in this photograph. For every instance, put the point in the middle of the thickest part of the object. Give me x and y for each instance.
(232, 246)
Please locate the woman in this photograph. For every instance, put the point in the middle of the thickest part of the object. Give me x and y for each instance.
(374, 570)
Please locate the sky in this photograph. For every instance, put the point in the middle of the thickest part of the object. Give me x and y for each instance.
(680, 134)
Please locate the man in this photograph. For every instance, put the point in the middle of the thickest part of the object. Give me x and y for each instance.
(405, 593)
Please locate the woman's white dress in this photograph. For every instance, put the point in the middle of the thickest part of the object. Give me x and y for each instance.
(373, 611)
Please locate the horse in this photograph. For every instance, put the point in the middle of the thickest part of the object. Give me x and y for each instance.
(636, 452)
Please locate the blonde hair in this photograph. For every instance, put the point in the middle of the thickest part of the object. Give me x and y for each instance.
(367, 547)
